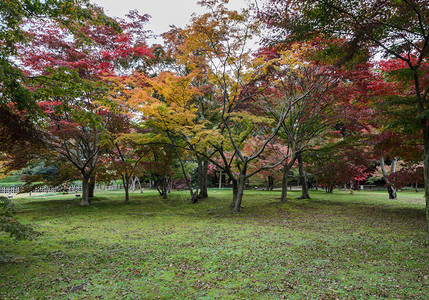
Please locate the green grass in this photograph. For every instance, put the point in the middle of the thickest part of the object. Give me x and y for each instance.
(337, 245)
(11, 179)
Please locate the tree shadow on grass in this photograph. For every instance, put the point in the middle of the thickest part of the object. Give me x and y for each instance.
(218, 208)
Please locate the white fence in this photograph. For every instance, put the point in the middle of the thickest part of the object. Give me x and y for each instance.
(72, 188)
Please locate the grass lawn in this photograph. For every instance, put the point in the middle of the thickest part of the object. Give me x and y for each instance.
(334, 246)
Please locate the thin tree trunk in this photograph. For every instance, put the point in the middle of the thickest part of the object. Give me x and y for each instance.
(91, 187)
(392, 192)
(286, 169)
(126, 182)
(266, 183)
(203, 167)
(85, 191)
(240, 191)
(194, 198)
(164, 188)
(270, 183)
(127, 194)
(303, 176)
(390, 189)
(140, 186)
(426, 169)
(170, 185)
(283, 197)
(234, 192)
(133, 183)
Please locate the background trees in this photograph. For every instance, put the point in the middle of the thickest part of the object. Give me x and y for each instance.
(398, 30)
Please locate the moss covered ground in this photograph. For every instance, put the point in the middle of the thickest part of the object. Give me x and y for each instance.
(360, 246)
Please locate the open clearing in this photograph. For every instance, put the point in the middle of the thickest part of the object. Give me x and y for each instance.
(332, 246)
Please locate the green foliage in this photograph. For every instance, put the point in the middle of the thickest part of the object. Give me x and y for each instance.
(10, 225)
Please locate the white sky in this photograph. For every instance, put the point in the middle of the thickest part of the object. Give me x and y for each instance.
(163, 12)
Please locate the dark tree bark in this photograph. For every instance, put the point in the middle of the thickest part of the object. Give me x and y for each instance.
(283, 197)
(303, 178)
(234, 192)
(91, 187)
(270, 183)
(203, 166)
(426, 169)
(85, 191)
(126, 183)
(392, 192)
(241, 184)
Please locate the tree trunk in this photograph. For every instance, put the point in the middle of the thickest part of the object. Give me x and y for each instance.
(303, 176)
(85, 191)
(170, 185)
(392, 192)
(126, 182)
(161, 186)
(234, 192)
(127, 195)
(202, 178)
(240, 190)
(283, 197)
(194, 198)
(91, 187)
(390, 189)
(426, 169)
(164, 188)
(270, 183)
(266, 183)
(140, 186)
(286, 169)
(133, 183)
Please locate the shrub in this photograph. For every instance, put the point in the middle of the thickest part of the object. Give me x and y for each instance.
(12, 226)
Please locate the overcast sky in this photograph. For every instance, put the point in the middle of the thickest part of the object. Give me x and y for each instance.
(164, 12)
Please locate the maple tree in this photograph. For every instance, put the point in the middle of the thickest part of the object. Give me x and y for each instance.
(18, 106)
(136, 154)
(75, 134)
(166, 104)
(184, 58)
(17, 101)
(219, 40)
(395, 121)
(244, 88)
(314, 115)
(342, 161)
(393, 148)
(273, 153)
(409, 174)
(309, 119)
(72, 86)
